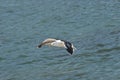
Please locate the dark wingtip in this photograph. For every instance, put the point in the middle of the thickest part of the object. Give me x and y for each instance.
(39, 46)
(69, 47)
(70, 51)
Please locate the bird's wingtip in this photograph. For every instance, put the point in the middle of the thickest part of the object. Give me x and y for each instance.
(39, 46)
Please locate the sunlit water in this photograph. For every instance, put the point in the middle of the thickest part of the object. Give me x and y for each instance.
(93, 26)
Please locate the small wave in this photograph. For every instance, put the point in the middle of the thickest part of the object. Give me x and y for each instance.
(108, 50)
(29, 62)
(1, 58)
(22, 56)
(115, 32)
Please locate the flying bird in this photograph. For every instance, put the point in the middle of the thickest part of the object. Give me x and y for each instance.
(58, 43)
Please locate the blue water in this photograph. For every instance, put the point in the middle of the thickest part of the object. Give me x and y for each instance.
(93, 26)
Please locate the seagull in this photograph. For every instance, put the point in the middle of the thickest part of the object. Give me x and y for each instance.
(58, 43)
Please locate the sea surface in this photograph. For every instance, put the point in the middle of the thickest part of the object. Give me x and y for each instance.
(93, 26)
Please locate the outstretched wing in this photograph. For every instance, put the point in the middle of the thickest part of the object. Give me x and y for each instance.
(46, 41)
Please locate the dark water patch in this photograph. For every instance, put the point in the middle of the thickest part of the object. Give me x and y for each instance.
(10, 11)
(29, 62)
(84, 54)
(108, 50)
(110, 25)
(1, 59)
(43, 21)
(22, 56)
(115, 32)
(65, 33)
(1, 33)
(100, 45)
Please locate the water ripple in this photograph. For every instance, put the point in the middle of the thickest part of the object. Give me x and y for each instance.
(108, 49)
(29, 62)
(1, 59)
